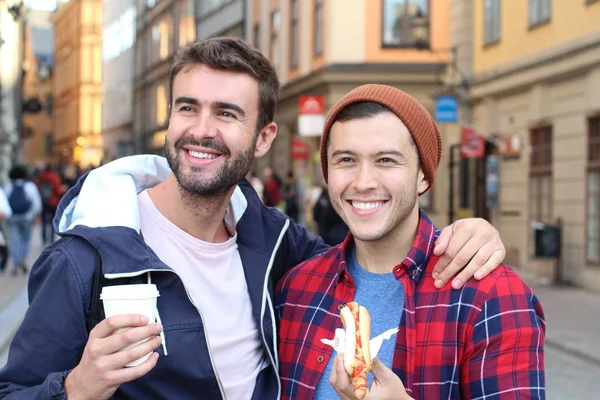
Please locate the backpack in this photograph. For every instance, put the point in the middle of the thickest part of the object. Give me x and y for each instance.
(18, 200)
(46, 192)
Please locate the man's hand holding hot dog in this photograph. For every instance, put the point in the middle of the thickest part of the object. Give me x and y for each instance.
(386, 385)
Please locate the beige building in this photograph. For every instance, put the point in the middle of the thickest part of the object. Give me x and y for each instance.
(328, 47)
(536, 87)
(77, 82)
(36, 135)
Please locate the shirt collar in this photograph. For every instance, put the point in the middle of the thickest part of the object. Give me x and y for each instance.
(418, 255)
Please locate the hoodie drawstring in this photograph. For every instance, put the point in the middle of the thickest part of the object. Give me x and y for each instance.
(162, 333)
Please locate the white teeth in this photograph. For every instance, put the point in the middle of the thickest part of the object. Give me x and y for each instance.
(197, 154)
(366, 206)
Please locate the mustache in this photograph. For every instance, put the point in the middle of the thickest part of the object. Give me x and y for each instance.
(209, 143)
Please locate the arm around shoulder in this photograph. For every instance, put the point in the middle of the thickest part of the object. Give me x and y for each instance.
(53, 334)
(504, 358)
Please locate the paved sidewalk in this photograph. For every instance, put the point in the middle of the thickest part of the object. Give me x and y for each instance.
(13, 294)
(573, 320)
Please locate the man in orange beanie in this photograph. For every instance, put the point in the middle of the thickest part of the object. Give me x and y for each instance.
(380, 150)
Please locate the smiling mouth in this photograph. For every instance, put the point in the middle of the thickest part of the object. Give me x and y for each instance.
(359, 205)
(201, 155)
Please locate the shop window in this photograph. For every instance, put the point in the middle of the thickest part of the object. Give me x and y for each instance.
(540, 175)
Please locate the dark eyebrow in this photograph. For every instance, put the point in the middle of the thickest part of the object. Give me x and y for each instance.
(342, 152)
(391, 153)
(378, 154)
(186, 100)
(230, 106)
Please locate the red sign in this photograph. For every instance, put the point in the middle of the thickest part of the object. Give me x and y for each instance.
(472, 143)
(311, 105)
(299, 150)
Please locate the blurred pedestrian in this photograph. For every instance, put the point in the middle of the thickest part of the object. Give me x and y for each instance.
(5, 212)
(272, 188)
(290, 197)
(51, 189)
(330, 225)
(256, 184)
(26, 204)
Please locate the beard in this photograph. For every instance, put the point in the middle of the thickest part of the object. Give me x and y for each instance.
(196, 181)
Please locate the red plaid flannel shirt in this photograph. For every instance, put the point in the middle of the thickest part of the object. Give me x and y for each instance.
(484, 341)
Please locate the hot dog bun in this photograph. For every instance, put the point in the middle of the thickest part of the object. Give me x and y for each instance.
(349, 347)
(357, 361)
(364, 320)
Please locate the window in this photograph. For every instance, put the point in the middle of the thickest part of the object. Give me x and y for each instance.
(119, 36)
(274, 40)
(318, 26)
(593, 191)
(539, 12)
(159, 41)
(49, 104)
(161, 105)
(48, 144)
(541, 174)
(405, 23)
(187, 22)
(492, 21)
(294, 33)
(208, 6)
(256, 35)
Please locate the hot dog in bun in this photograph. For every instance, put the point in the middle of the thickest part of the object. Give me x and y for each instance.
(357, 354)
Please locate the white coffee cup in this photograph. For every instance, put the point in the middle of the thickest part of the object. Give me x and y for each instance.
(131, 299)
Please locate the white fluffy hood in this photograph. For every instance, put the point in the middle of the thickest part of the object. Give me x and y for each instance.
(108, 195)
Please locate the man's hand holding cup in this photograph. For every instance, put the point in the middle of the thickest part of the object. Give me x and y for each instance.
(120, 348)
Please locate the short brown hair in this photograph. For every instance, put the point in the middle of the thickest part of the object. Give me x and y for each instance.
(235, 55)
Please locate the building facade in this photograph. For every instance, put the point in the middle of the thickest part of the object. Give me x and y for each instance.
(11, 74)
(118, 38)
(77, 83)
(325, 48)
(162, 27)
(221, 18)
(536, 96)
(36, 135)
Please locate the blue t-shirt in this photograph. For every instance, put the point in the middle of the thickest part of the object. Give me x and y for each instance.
(383, 296)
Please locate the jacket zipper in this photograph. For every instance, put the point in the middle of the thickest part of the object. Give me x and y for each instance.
(212, 363)
(266, 299)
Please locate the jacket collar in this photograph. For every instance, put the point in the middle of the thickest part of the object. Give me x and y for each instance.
(106, 198)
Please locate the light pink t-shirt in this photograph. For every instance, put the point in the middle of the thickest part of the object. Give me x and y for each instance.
(213, 275)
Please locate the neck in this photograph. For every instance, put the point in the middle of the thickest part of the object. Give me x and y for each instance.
(383, 255)
(200, 216)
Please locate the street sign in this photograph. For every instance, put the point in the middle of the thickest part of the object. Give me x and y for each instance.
(446, 109)
(472, 144)
(311, 115)
(299, 149)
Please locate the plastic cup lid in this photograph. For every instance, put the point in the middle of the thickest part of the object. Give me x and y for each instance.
(129, 292)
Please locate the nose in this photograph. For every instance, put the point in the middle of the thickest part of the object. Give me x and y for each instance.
(365, 178)
(204, 126)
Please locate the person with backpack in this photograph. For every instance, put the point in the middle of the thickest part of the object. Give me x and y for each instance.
(5, 212)
(26, 204)
(50, 187)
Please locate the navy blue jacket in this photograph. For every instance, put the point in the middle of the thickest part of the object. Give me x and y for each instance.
(52, 337)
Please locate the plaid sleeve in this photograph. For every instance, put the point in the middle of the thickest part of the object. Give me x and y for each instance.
(505, 359)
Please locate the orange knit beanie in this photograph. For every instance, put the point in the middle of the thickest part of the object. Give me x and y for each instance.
(417, 119)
